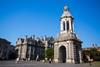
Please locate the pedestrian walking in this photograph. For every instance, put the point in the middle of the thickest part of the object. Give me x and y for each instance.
(17, 60)
(50, 60)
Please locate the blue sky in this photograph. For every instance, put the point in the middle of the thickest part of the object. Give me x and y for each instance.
(41, 17)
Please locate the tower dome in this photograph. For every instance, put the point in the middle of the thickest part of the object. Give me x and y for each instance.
(66, 13)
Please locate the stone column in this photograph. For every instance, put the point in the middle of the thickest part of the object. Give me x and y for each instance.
(46, 44)
(29, 53)
(20, 51)
(61, 26)
(56, 53)
(73, 61)
(70, 25)
(70, 50)
(67, 52)
(71, 58)
(24, 51)
(80, 54)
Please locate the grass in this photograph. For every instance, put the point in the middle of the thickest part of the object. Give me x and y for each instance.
(95, 64)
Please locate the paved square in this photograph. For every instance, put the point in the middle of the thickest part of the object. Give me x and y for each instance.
(40, 64)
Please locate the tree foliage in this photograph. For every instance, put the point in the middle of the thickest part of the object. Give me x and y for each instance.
(92, 53)
(95, 54)
(50, 53)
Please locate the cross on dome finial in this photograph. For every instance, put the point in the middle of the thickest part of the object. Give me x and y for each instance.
(65, 8)
(66, 12)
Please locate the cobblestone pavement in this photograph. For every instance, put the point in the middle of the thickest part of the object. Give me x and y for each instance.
(40, 64)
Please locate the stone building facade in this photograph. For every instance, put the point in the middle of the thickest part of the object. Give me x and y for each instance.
(67, 46)
(7, 51)
(93, 46)
(32, 48)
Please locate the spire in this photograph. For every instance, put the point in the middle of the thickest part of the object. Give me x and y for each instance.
(66, 12)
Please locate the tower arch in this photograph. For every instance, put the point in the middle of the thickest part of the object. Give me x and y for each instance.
(62, 54)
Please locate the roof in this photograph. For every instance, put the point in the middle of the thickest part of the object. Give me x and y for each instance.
(4, 41)
(69, 36)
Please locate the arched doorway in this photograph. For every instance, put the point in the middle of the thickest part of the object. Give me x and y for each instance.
(62, 54)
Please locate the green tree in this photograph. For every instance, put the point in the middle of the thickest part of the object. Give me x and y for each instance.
(50, 53)
(95, 54)
(85, 53)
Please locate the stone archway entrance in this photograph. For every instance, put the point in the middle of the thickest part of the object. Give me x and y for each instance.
(62, 54)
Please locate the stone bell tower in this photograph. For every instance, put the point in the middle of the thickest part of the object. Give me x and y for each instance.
(67, 47)
(66, 21)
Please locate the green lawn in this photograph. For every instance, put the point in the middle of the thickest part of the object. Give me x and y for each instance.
(95, 64)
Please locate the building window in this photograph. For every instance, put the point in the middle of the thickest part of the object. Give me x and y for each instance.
(67, 26)
(64, 26)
